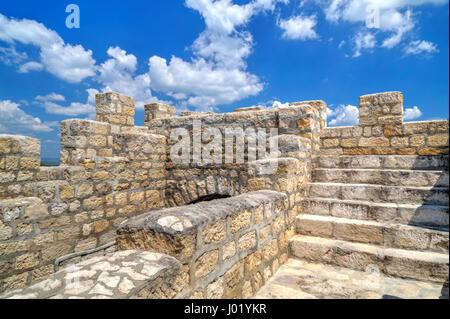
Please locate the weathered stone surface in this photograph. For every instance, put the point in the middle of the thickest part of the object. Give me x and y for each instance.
(121, 275)
(214, 233)
(206, 263)
(113, 170)
(319, 281)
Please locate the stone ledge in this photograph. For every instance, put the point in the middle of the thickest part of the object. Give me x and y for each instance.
(223, 244)
(187, 219)
(120, 275)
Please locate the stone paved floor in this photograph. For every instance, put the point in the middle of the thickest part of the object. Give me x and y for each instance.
(119, 275)
(301, 280)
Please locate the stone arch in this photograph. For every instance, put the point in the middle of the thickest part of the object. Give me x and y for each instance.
(188, 191)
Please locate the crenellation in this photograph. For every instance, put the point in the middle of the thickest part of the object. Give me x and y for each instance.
(156, 111)
(383, 132)
(222, 225)
(115, 109)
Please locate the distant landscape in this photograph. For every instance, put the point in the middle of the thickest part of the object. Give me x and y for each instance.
(50, 162)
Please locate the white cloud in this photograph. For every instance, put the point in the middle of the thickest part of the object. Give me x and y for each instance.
(201, 82)
(299, 27)
(221, 16)
(398, 23)
(343, 115)
(30, 66)
(117, 74)
(270, 104)
(412, 113)
(74, 109)
(10, 56)
(226, 51)
(217, 72)
(363, 41)
(67, 62)
(50, 97)
(16, 121)
(278, 104)
(358, 10)
(395, 16)
(421, 47)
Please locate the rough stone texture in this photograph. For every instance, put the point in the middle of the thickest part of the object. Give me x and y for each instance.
(111, 170)
(386, 212)
(121, 275)
(302, 280)
(115, 109)
(181, 232)
(381, 131)
(158, 110)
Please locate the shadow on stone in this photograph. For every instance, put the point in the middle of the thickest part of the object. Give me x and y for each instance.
(390, 297)
(208, 198)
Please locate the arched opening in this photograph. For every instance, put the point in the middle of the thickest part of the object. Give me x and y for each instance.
(208, 198)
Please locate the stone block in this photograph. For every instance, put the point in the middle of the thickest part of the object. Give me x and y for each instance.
(214, 233)
(206, 263)
(240, 221)
(247, 241)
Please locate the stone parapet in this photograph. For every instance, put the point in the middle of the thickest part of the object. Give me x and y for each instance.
(381, 131)
(20, 160)
(381, 108)
(158, 110)
(411, 138)
(115, 109)
(228, 247)
(113, 171)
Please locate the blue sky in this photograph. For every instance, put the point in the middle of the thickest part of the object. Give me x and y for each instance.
(210, 55)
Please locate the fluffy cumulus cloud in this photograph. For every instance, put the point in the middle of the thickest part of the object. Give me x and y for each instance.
(200, 83)
(395, 17)
(299, 27)
(71, 63)
(15, 121)
(343, 115)
(118, 74)
(217, 72)
(412, 113)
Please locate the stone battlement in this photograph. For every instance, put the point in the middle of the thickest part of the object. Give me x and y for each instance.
(119, 188)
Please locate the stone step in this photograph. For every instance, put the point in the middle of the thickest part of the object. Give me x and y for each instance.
(382, 176)
(381, 193)
(408, 214)
(429, 266)
(421, 162)
(299, 279)
(372, 232)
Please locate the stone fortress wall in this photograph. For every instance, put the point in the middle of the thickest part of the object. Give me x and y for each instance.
(381, 131)
(116, 181)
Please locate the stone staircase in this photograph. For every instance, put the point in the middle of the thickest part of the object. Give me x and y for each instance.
(388, 213)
